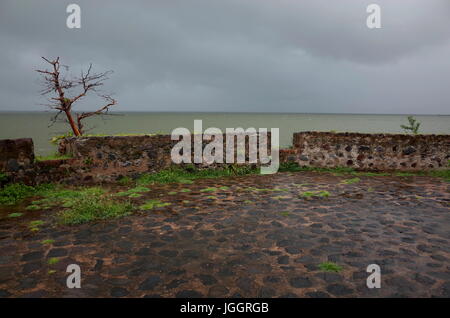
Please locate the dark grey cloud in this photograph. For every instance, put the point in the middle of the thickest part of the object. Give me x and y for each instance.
(237, 55)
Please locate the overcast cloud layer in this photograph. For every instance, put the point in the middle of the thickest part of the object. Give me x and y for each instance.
(237, 55)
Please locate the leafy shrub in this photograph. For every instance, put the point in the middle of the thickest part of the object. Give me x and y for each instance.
(413, 125)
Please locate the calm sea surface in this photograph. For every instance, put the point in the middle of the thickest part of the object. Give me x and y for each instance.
(35, 125)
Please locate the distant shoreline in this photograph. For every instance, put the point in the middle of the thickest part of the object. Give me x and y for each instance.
(219, 113)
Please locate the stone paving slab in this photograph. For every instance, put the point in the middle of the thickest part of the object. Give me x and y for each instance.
(257, 236)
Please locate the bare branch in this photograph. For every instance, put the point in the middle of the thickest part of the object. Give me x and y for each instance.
(54, 82)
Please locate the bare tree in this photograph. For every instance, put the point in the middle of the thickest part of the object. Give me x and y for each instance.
(68, 91)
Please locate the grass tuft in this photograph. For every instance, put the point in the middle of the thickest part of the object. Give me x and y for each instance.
(151, 204)
(55, 156)
(125, 181)
(14, 193)
(188, 174)
(351, 181)
(91, 208)
(15, 215)
(330, 267)
(53, 261)
(309, 194)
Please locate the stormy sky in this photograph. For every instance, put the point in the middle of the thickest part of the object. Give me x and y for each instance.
(237, 55)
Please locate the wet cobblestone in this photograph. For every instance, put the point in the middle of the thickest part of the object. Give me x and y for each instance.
(261, 237)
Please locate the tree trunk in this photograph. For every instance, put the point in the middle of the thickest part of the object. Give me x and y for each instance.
(75, 129)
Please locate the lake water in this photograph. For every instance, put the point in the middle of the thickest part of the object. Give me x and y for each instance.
(35, 124)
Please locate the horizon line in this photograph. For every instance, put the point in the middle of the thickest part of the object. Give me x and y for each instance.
(233, 112)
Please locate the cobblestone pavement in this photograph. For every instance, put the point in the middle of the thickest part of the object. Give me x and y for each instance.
(253, 236)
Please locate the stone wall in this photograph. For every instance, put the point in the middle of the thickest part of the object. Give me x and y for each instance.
(16, 154)
(376, 152)
(98, 159)
(111, 157)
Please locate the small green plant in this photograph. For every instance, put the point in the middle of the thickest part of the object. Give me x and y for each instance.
(3, 177)
(330, 267)
(309, 194)
(35, 207)
(151, 204)
(135, 195)
(212, 189)
(183, 181)
(285, 213)
(55, 156)
(133, 192)
(47, 242)
(92, 208)
(351, 181)
(413, 126)
(36, 223)
(53, 261)
(88, 161)
(172, 193)
(323, 194)
(125, 180)
(14, 215)
(211, 197)
(185, 190)
(404, 174)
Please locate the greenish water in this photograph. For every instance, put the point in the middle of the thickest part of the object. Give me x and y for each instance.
(35, 125)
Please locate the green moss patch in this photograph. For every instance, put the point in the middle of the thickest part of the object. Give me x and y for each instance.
(212, 189)
(309, 194)
(53, 261)
(91, 208)
(188, 174)
(56, 156)
(15, 215)
(152, 204)
(133, 192)
(351, 181)
(14, 193)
